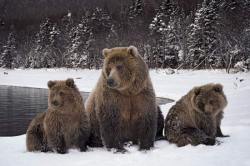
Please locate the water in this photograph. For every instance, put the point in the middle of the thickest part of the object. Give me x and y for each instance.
(18, 105)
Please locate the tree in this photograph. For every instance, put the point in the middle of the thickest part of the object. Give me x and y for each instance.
(233, 44)
(165, 29)
(113, 37)
(137, 24)
(203, 39)
(46, 53)
(136, 9)
(101, 24)
(66, 26)
(9, 53)
(77, 53)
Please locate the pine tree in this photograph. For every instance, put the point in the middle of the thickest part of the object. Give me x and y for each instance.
(136, 23)
(66, 26)
(101, 23)
(9, 53)
(112, 38)
(167, 9)
(53, 50)
(165, 29)
(46, 53)
(136, 9)
(203, 39)
(67, 23)
(77, 54)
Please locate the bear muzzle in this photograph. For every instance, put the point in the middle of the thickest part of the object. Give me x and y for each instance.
(111, 83)
(55, 103)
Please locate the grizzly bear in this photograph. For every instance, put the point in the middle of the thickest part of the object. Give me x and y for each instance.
(64, 125)
(122, 106)
(35, 137)
(196, 118)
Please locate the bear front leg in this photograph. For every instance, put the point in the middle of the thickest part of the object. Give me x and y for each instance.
(61, 145)
(83, 143)
(56, 140)
(83, 138)
(109, 119)
(45, 147)
(194, 137)
(145, 119)
(84, 132)
(146, 128)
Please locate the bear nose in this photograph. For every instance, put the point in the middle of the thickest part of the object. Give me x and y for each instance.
(55, 103)
(110, 82)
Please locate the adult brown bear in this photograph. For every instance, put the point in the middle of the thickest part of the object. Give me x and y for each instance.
(122, 106)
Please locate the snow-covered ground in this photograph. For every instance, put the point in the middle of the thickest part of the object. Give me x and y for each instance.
(234, 150)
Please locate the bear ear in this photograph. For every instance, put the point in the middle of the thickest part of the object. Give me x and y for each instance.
(218, 88)
(51, 84)
(70, 83)
(197, 91)
(132, 50)
(105, 52)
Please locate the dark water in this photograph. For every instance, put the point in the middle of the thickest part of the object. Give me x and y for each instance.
(18, 105)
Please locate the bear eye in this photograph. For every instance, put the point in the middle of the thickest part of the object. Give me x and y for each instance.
(119, 67)
(61, 93)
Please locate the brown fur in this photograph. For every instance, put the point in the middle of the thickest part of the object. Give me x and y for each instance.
(195, 118)
(122, 107)
(64, 125)
(35, 140)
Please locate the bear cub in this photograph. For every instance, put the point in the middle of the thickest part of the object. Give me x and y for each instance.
(196, 118)
(65, 124)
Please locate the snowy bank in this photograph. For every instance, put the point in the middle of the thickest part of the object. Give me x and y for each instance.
(232, 151)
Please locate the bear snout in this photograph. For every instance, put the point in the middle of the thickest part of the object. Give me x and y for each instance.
(55, 103)
(111, 82)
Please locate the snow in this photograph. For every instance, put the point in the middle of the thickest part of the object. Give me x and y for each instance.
(234, 150)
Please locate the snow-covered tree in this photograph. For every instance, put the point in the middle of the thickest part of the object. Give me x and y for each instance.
(67, 22)
(167, 9)
(136, 24)
(113, 37)
(36, 57)
(7, 57)
(46, 53)
(203, 39)
(66, 26)
(234, 42)
(101, 23)
(136, 9)
(53, 50)
(165, 29)
(77, 53)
